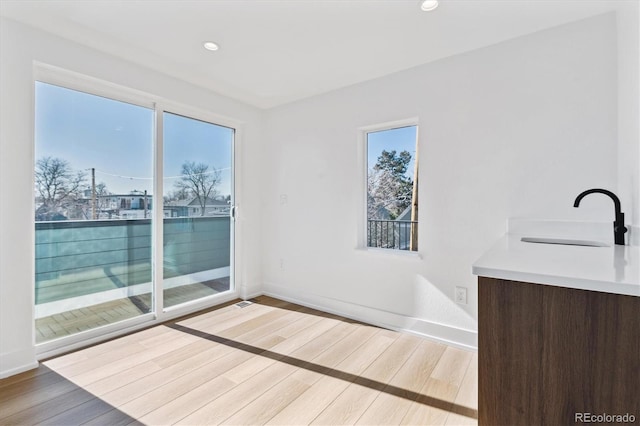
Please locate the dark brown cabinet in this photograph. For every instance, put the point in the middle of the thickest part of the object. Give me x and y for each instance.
(547, 354)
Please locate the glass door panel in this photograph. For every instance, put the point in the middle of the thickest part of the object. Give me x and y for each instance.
(198, 196)
(93, 170)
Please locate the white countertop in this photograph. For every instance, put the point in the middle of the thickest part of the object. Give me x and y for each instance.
(614, 269)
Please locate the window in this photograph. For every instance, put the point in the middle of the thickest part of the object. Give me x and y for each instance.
(392, 188)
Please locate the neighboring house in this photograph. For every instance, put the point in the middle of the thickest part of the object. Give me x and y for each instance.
(135, 205)
(405, 215)
(135, 200)
(403, 229)
(192, 207)
(381, 214)
(127, 214)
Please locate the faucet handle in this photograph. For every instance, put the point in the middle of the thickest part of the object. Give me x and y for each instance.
(621, 228)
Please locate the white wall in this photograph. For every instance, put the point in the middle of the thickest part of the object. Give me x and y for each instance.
(515, 129)
(20, 46)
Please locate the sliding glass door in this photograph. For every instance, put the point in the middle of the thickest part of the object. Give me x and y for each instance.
(93, 189)
(103, 243)
(198, 200)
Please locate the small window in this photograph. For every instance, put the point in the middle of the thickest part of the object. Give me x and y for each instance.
(392, 188)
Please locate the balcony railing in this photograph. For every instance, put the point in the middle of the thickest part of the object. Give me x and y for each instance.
(392, 234)
(81, 263)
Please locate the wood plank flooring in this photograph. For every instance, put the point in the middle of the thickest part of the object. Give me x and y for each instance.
(93, 316)
(271, 362)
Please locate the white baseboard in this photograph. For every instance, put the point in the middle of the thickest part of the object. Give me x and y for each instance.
(450, 335)
(254, 295)
(14, 363)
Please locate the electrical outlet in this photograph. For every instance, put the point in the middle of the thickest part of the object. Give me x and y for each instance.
(461, 295)
(282, 264)
(284, 199)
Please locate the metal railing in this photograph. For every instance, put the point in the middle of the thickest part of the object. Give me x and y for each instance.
(392, 234)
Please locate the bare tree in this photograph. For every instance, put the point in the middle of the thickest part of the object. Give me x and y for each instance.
(101, 189)
(57, 185)
(102, 193)
(177, 195)
(198, 180)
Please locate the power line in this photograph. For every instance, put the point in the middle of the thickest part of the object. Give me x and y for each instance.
(150, 178)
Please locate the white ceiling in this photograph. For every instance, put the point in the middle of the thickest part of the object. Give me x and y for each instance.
(277, 51)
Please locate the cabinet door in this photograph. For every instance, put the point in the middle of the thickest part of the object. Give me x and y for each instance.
(548, 353)
(509, 353)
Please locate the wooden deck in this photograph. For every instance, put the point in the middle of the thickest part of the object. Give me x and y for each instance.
(76, 320)
(270, 362)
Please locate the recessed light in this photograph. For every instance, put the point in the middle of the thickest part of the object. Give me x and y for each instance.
(429, 5)
(209, 45)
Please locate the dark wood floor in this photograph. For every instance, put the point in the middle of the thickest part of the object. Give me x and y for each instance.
(270, 362)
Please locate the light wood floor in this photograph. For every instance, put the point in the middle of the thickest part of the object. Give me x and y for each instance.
(270, 362)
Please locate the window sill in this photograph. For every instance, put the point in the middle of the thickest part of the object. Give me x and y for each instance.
(382, 252)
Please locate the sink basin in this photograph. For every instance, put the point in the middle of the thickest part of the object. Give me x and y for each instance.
(562, 241)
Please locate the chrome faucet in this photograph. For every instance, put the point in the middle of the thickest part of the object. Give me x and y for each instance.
(618, 226)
